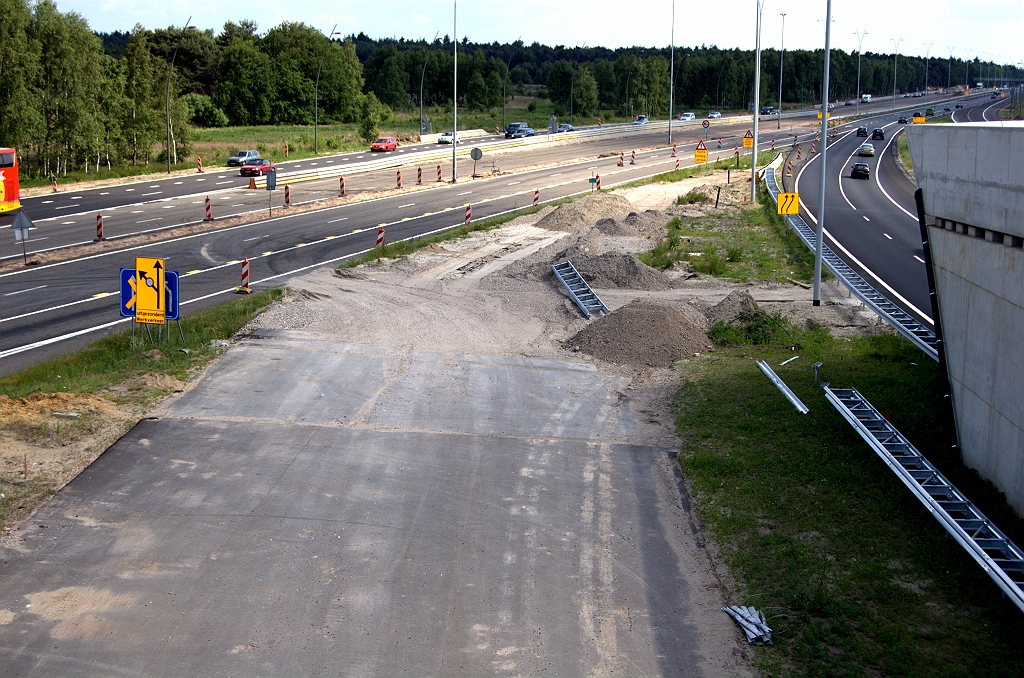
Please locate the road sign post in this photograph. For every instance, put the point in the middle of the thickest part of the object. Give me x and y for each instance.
(476, 154)
(172, 301)
(21, 226)
(706, 124)
(150, 289)
(748, 139)
(271, 185)
(700, 154)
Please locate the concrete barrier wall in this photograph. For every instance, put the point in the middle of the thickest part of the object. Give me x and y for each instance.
(972, 178)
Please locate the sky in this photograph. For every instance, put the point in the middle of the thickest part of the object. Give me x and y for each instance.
(987, 29)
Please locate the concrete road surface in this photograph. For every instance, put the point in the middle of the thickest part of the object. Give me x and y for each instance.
(315, 509)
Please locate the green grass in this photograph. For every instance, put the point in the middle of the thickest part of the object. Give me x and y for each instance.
(855, 576)
(752, 245)
(904, 150)
(111, 360)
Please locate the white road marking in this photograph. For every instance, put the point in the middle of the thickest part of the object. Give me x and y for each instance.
(167, 207)
(153, 219)
(514, 183)
(408, 205)
(557, 175)
(137, 211)
(105, 193)
(65, 223)
(155, 186)
(222, 182)
(257, 237)
(11, 294)
(200, 179)
(129, 190)
(919, 258)
(865, 218)
(466, 193)
(178, 183)
(66, 207)
(47, 202)
(334, 220)
(887, 236)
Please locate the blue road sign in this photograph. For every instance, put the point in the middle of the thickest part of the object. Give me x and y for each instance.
(128, 294)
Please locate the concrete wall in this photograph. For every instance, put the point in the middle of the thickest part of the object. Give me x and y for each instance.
(972, 177)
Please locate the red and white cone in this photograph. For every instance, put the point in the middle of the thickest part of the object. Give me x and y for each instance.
(244, 287)
(209, 209)
(677, 163)
(773, 144)
(99, 226)
(439, 171)
(398, 179)
(287, 195)
(341, 185)
(599, 182)
(673, 150)
(419, 176)
(469, 213)
(789, 169)
(53, 182)
(814, 146)
(719, 142)
(380, 236)
(632, 158)
(199, 165)
(622, 160)
(536, 197)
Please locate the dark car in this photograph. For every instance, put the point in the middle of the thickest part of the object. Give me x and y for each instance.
(242, 157)
(510, 131)
(902, 120)
(862, 131)
(959, 105)
(565, 127)
(523, 132)
(947, 109)
(767, 110)
(879, 133)
(860, 170)
(256, 167)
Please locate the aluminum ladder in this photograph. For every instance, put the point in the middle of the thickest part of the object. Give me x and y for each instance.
(578, 289)
(1001, 559)
(918, 333)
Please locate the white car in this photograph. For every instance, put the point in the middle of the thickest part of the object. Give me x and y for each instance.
(448, 138)
(714, 115)
(687, 116)
(640, 120)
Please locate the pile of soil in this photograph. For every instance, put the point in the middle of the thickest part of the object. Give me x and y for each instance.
(584, 212)
(643, 333)
(738, 307)
(651, 222)
(618, 270)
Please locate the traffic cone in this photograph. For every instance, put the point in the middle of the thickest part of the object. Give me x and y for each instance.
(244, 287)
(252, 183)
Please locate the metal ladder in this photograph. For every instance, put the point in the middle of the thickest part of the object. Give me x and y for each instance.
(578, 289)
(990, 548)
(922, 336)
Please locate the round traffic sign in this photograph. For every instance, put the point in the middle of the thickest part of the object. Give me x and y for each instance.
(705, 124)
(476, 154)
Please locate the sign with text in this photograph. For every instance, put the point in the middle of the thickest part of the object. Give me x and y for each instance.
(171, 299)
(919, 119)
(748, 139)
(789, 203)
(150, 304)
(700, 154)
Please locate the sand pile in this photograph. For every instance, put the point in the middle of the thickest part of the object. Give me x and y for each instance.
(585, 212)
(649, 223)
(618, 270)
(738, 307)
(644, 333)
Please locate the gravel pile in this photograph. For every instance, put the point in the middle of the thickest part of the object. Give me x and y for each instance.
(585, 212)
(618, 270)
(649, 223)
(643, 333)
(738, 307)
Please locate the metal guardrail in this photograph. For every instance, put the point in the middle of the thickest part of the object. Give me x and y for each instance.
(1001, 559)
(900, 320)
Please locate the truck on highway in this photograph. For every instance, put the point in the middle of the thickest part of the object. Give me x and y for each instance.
(865, 98)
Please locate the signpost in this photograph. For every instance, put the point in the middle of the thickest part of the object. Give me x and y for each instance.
(129, 298)
(271, 185)
(476, 154)
(706, 124)
(748, 139)
(150, 290)
(21, 226)
(700, 154)
(789, 203)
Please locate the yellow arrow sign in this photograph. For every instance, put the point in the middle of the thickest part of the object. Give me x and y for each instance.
(150, 306)
(789, 203)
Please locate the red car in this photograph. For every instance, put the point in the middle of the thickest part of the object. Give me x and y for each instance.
(384, 144)
(256, 168)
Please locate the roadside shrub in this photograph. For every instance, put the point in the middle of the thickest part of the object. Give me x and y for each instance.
(734, 254)
(760, 330)
(202, 112)
(532, 106)
(692, 197)
(710, 262)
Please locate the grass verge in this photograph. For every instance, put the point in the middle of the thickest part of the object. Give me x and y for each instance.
(855, 576)
(763, 158)
(904, 150)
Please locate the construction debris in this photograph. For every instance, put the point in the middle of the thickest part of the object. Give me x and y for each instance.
(752, 622)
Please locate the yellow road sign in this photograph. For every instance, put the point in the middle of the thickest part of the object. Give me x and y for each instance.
(789, 203)
(150, 304)
(829, 115)
(700, 156)
(748, 140)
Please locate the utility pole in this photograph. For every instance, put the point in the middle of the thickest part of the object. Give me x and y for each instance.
(672, 73)
(895, 60)
(819, 231)
(167, 95)
(860, 51)
(455, 88)
(757, 102)
(423, 74)
(782, 56)
(316, 90)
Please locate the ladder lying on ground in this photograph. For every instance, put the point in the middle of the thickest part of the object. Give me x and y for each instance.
(989, 547)
(578, 289)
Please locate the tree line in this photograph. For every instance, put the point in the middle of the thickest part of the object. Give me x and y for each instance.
(72, 99)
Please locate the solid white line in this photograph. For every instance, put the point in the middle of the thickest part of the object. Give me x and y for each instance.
(887, 236)
(406, 205)
(334, 220)
(466, 193)
(879, 182)
(11, 294)
(919, 258)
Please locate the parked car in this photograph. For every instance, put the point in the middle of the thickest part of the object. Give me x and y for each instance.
(866, 150)
(902, 120)
(862, 131)
(687, 116)
(384, 144)
(449, 138)
(879, 133)
(565, 127)
(256, 167)
(523, 132)
(861, 170)
(511, 129)
(714, 115)
(241, 157)
(640, 120)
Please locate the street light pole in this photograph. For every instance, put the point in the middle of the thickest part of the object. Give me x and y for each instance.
(757, 102)
(820, 226)
(860, 51)
(503, 84)
(572, 80)
(782, 57)
(927, 53)
(455, 88)
(949, 68)
(672, 73)
(895, 60)
(167, 95)
(316, 90)
(423, 74)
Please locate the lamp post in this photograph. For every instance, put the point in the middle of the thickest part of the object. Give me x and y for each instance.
(316, 91)
(572, 80)
(820, 226)
(672, 73)
(895, 60)
(455, 88)
(629, 106)
(423, 74)
(949, 68)
(508, 65)
(757, 101)
(860, 50)
(782, 57)
(927, 52)
(167, 94)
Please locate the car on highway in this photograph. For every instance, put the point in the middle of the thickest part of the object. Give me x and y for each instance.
(768, 110)
(565, 127)
(929, 111)
(860, 170)
(714, 115)
(256, 167)
(866, 150)
(523, 132)
(687, 116)
(879, 133)
(640, 120)
(384, 144)
(848, 102)
(241, 157)
(862, 131)
(448, 138)
(959, 105)
(902, 120)
(512, 127)
(947, 109)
